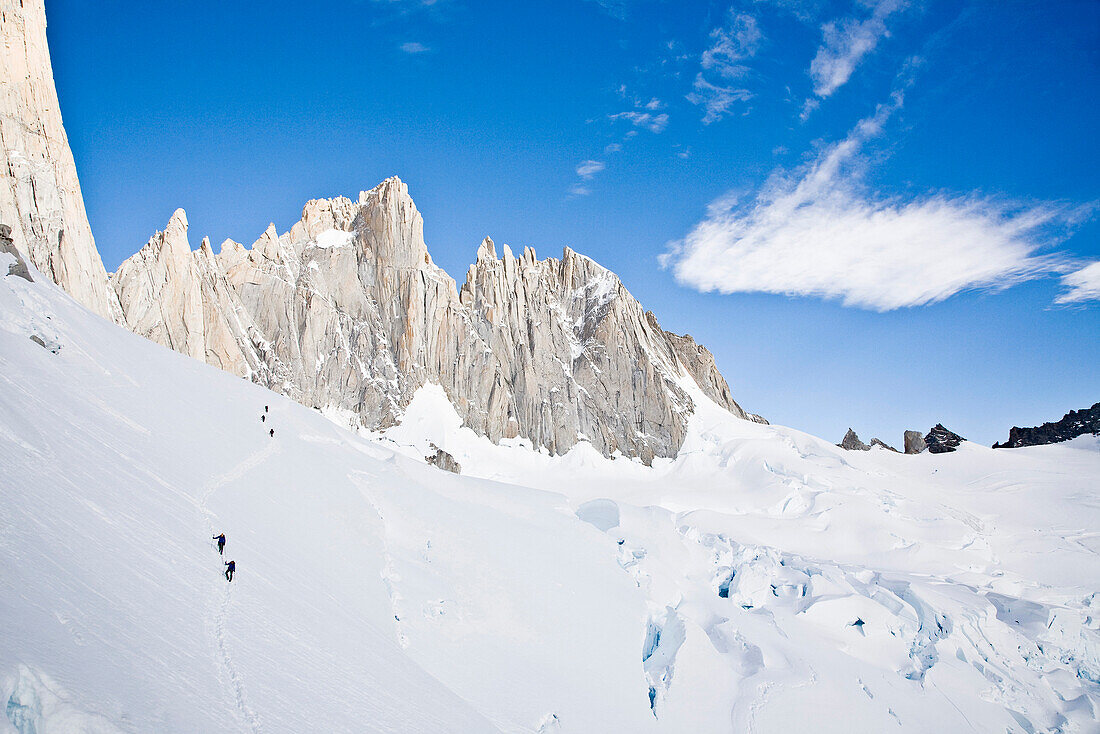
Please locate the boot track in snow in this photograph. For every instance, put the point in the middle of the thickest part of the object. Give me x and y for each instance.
(224, 658)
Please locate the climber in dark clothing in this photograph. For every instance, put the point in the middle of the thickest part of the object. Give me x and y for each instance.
(272, 433)
(230, 569)
(265, 408)
(221, 543)
(263, 418)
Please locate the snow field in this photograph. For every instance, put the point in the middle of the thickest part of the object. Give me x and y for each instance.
(764, 580)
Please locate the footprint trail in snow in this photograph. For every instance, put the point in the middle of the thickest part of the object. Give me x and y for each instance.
(220, 616)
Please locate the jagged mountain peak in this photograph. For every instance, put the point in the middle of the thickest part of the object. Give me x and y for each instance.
(229, 245)
(487, 250)
(392, 187)
(178, 219)
(172, 241)
(267, 244)
(347, 312)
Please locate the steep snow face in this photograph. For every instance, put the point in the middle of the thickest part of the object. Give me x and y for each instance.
(39, 192)
(762, 581)
(346, 312)
(118, 462)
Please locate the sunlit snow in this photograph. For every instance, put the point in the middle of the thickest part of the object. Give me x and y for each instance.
(764, 580)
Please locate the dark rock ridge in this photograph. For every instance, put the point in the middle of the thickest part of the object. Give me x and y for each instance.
(1073, 424)
(942, 441)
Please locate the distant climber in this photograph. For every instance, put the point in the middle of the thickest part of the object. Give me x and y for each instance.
(263, 418)
(271, 433)
(265, 408)
(230, 569)
(221, 543)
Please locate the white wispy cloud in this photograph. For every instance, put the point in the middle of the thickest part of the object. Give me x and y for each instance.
(1083, 285)
(407, 4)
(414, 47)
(818, 232)
(844, 44)
(808, 108)
(586, 171)
(614, 8)
(392, 10)
(715, 99)
(653, 122)
(730, 46)
(804, 10)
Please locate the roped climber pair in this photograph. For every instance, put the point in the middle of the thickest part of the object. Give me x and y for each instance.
(230, 566)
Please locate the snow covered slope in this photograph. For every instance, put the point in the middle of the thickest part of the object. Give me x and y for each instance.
(764, 580)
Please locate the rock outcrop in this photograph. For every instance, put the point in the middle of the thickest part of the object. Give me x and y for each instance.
(1073, 424)
(17, 268)
(942, 441)
(347, 311)
(851, 442)
(914, 442)
(441, 459)
(40, 195)
(883, 444)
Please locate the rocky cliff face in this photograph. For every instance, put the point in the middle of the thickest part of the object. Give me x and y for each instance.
(348, 313)
(1073, 424)
(40, 195)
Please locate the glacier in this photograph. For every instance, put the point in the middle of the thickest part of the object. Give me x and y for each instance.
(761, 580)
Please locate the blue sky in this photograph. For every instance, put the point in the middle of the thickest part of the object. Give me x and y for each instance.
(876, 213)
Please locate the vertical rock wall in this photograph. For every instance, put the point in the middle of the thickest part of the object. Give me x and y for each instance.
(40, 195)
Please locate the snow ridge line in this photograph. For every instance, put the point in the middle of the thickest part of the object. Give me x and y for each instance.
(226, 660)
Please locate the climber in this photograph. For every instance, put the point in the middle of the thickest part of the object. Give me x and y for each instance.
(265, 408)
(230, 569)
(263, 418)
(271, 433)
(221, 543)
